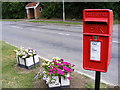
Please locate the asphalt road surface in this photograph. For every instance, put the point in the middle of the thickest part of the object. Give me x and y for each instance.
(65, 41)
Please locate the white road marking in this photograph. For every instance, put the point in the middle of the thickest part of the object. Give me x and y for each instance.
(33, 29)
(61, 33)
(38, 30)
(17, 27)
(115, 42)
(67, 34)
(64, 34)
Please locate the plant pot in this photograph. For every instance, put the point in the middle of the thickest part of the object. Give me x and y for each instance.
(55, 84)
(65, 82)
(28, 62)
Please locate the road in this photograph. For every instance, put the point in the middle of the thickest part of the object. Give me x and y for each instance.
(52, 40)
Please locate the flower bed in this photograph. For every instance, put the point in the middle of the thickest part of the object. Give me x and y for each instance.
(27, 58)
(57, 72)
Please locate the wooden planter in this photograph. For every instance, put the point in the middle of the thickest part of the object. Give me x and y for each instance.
(65, 82)
(60, 82)
(55, 84)
(28, 62)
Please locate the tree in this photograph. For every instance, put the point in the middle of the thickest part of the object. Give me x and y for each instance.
(15, 10)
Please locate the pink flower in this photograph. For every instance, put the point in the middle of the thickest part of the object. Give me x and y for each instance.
(61, 60)
(59, 64)
(73, 65)
(60, 72)
(54, 71)
(50, 72)
(69, 70)
(69, 78)
(65, 68)
(66, 63)
(55, 68)
(54, 61)
(50, 66)
(50, 69)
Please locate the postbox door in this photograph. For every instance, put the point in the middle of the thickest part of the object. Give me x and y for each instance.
(96, 53)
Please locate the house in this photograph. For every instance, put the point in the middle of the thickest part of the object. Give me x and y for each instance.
(34, 10)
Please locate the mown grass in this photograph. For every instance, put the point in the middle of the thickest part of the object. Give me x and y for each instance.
(16, 77)
(116, 21)
(14, 20)
(57, 22)
(10, 76)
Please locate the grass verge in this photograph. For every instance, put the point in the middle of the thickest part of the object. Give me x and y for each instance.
(16, 77)
(56, 22)
(116, 21)
(14, 20)
(11, 75)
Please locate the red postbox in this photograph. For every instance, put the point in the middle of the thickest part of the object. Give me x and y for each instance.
(97, 39)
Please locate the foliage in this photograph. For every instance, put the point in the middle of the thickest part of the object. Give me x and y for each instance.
(25, 53)
(55, 9)
(56, 67)
(75, 9)
(13, 10)
(52, 10)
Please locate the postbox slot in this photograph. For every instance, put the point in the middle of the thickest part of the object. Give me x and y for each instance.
(96, 20)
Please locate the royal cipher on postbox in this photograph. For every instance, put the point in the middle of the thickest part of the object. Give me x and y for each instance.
(97, 39)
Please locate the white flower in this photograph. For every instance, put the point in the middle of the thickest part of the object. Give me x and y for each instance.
(44, 77)
(44, 71)
(56, 58)
(53, 81)
(26, 50)
(30, 53)
(54, 77)
(47, 80)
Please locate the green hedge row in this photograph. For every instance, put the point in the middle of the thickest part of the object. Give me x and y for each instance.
(54, 9)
